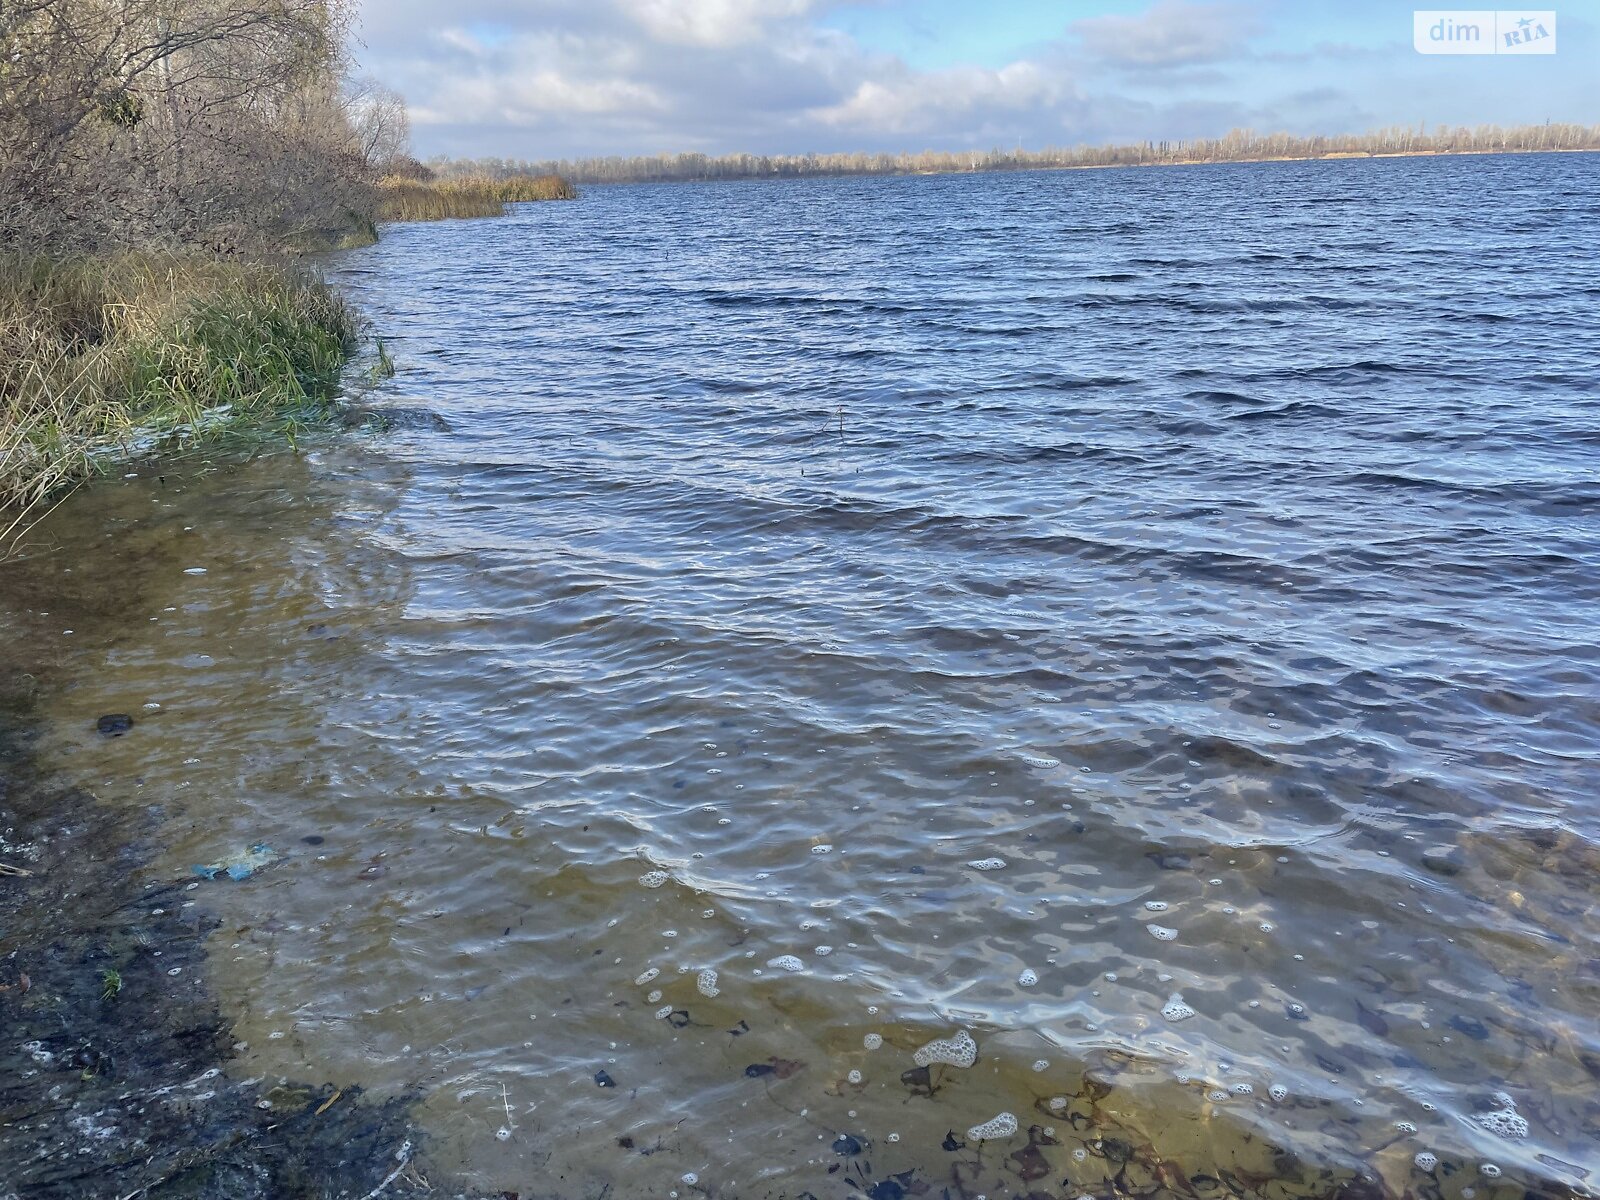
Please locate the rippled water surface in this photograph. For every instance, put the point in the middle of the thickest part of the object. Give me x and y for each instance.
(1143, 619)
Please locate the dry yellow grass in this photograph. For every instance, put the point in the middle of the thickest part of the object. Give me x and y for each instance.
(412, 200)
(93, 350)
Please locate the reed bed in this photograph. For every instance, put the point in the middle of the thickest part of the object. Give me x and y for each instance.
(440, 200)
(97, 352)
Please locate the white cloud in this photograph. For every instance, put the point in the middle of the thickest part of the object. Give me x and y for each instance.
(559, 78)
(1169, 33)
(712, 22)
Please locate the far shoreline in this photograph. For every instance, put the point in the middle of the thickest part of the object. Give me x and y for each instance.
(1041, 168)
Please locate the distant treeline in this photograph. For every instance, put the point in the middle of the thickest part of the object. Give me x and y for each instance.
(1241, 145)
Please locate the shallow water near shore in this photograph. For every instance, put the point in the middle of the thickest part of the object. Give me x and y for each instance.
(1143, 619)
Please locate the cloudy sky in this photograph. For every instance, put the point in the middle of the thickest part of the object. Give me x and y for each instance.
(553, 78)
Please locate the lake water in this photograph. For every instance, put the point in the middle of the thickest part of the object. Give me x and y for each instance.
(1143, 621)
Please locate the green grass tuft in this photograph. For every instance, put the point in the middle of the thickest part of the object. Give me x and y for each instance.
(95, 352)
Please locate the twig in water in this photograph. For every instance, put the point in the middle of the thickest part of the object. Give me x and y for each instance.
(404, 1155)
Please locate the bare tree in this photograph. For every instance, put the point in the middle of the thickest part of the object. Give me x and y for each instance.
(380, 123)
(137, 121)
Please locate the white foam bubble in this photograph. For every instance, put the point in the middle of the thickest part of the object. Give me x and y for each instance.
(647, 976)
(1489, 1170)
(691, 1178)
(786, 962)
(1001, 1125)
(1278, 1092)
(654, 879)
(957, 1051)
(1037, 761)
(1175, 1009)
(1505, 1122)
(822, 849)
(854, 1077)
(987, 864)
(661, 1013)
(1216, 1095)
(1028, 978)
(1042, 1064)
(706, 981)
(822, 951)
(872, 1041)
(653, 996)
(1057, 1103)
(1243, 1089)
(1156, 905)
(1161, 933)
(1425, 1161)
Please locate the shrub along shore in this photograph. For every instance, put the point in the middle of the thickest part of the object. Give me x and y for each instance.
(107, 354)
(161, 168)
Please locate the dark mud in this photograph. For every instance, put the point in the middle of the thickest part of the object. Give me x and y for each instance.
(114, 1054)
(114, 1075)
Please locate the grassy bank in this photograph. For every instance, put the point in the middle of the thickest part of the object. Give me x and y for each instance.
(416, 200)
(95, 352)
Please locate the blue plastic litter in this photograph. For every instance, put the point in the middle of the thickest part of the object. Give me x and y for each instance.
(240, 866)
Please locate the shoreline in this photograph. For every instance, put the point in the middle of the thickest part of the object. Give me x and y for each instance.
(114, 1050)
(778, 176)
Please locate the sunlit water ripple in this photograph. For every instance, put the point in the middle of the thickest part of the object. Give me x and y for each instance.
(1216, 548)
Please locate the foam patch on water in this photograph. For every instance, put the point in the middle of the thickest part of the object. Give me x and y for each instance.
(872, 1041)
(1042, 1064)
(1156, 905)
(1038, 761)
(1028, 978)
(1175, 1009)
(1001, 1125)
(1057, 1103)
(988, 864)
(654, 879)
(786, 962)
(1489, 1170)
(706, 981)
(957, 1051)
(1505, 1122)
(647, 976)
(1425, 1161)
(854, 1077)
(1161, 933)
(1278, 1092)
(822, 849)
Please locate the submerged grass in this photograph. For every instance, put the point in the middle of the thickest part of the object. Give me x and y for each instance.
(438, 200)
(100, 353)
